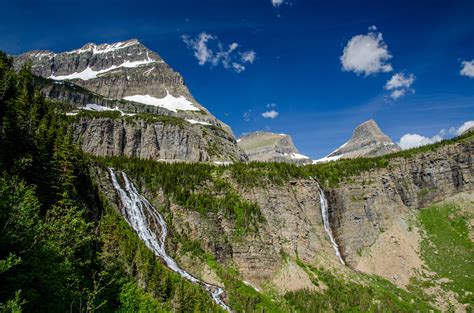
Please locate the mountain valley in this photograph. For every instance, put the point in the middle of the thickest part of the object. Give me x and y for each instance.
(120, 192)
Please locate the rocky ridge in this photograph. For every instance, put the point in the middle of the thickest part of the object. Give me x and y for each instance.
(270, 147)
(367, 141)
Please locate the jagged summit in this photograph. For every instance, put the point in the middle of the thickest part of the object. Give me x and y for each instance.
(125, 71)
(367, 140)
(270, 147)
(104, 47)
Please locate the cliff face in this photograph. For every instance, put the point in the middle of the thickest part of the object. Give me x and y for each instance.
(361, 209)
(166, 140)
(366, 205)
(271, 147)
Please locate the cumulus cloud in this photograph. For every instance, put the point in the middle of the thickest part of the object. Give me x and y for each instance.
(397, 93)
(277, 3)
(461, 129)
(208, 49)
(408, 141)
(414, 140)
(238, 67)
(399, 84)
(467, 68)
(199, 45)
(366, 54)
(400, 80)
(248, 56)
(272, 114)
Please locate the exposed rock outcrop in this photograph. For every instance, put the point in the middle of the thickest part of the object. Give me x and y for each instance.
(367, 141)
(366, 205)
(271, 147)
(173, 139)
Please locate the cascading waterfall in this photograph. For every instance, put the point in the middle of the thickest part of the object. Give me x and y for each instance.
(327, 225)
(145, 219)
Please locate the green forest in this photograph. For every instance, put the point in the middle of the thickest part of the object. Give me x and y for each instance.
(61, 247)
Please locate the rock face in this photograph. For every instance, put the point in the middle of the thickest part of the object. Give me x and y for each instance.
(173, 139)
(361, 208)
(367, 141)
(365, 206)
(130, 77)
(271, 147)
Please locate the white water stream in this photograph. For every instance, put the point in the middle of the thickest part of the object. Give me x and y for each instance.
(327, 225)
(147, 222)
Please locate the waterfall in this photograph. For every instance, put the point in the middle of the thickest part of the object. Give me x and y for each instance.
(327, 225)
(147, 222)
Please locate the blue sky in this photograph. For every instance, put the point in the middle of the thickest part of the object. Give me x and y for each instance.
(297, 67)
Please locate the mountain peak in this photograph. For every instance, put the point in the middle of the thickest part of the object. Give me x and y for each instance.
(367, 140)
(105, 47)
(268, 146)
(369, 128)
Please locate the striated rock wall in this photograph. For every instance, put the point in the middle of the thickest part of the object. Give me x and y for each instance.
(365, 206)
(270, 147)
(155, 140)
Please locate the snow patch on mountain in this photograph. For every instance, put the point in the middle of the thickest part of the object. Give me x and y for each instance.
(327, 159)
(169, 102)
(104, 48)
(89, 73)
(197, 122)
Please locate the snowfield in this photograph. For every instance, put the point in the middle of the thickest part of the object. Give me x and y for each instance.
(169, 102)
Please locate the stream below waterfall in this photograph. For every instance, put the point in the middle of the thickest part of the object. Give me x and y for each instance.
(145, 219)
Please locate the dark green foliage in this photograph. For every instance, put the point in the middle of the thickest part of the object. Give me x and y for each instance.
(197, 186)
(51, 257)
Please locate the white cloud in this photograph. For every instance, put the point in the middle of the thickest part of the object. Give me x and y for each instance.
(229, 57)
(238, 67)
(248, 56)
(467, 68)
(400, 80)
(277, 3)
(271, 105)
(414, 140)
(199, 45)
(270, 114)
(408, 141)
(462, 128)
(366, 54)
(398, 93)
(400, 84)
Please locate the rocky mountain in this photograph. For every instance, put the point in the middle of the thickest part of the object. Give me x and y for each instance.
(129, 78)
(367, 140)
(271, 147)
(392, 234)
(370, 215)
